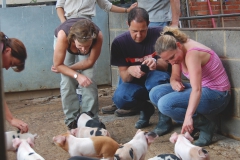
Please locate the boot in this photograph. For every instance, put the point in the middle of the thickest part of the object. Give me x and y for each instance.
(206, 128)
(164, 125)
(145, 115)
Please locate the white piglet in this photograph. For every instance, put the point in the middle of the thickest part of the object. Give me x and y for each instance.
(185, 150)
(24, 149)
(9, 136)
(137, 148)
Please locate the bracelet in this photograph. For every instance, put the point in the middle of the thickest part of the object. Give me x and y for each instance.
(125, 10)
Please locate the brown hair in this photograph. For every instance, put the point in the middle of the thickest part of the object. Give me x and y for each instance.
(169, 37)
(82, 31)
(18, 50)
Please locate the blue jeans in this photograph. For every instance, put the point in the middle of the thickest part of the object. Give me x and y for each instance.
(134, 94)
(156, 24)
(174, 104)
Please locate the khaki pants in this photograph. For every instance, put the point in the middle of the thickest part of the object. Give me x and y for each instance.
(68, 85)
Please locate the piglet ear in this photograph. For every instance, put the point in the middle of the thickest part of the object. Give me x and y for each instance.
(108, 134)
(72, 131)
(30, 142)
(139, 130)
(188, 136)
(16, 142)
(173, 137)
(90, 114)
(35, 136)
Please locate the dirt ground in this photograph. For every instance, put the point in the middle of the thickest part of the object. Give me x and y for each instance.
(45, 117)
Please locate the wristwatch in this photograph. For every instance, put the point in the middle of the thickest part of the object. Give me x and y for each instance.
(75, 75)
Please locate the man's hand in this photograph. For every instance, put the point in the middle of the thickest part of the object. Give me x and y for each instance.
(151, 63)
(135, 71)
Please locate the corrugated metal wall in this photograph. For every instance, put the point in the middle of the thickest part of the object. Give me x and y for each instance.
(35, 25)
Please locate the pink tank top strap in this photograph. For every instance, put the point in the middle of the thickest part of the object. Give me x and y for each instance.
(200, 49)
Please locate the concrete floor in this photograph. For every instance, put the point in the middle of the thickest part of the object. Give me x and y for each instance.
(45, 117)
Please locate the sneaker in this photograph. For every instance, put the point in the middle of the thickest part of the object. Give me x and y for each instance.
(109, 109)
(72, 125)
(124, 113)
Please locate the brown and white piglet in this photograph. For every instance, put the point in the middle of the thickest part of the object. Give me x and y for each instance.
(98, 146)
(185, 150)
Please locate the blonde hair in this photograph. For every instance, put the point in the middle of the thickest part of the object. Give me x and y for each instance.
(169, 37)
(82, 31)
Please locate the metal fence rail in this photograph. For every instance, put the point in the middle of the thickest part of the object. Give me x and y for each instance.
(219, 16)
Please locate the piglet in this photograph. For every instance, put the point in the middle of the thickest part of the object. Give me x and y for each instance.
(24, 149)
(86, 132)
(185, 150)
(85, 120)
(98, 146)
(165, 157)
(9, 136)
(136, 149)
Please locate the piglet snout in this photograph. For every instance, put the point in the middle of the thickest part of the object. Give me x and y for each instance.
(203, 153)
(16, 142)
(151, 136)
(173, 137)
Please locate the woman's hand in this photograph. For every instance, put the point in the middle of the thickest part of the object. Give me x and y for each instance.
(22, 126)
(151, 63)
(177, 86)
(83, 80)
(187, 125)
(132, 6)
(53, 69)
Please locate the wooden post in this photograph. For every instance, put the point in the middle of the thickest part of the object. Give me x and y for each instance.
(221, 3)
(3, 154)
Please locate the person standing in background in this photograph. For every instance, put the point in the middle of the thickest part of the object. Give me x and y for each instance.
(78, 9)
(162, 13)
(67, 9)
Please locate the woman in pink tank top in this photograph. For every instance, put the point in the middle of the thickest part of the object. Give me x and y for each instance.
(207, 94)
